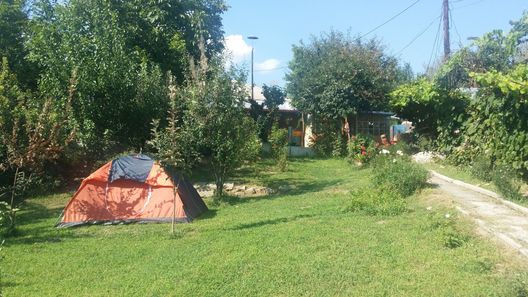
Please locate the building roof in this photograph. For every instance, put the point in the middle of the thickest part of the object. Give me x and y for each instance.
(259, 97)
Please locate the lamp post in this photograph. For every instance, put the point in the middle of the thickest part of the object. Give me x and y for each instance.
(252, 50)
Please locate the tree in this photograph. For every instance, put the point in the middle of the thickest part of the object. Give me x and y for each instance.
(334, 76)
(207, 121)
(265, 113)
(32, 133)
(121, 50)
(496, 50)
(13, 28)
(228, 135)
(433, 110)
(176, 143)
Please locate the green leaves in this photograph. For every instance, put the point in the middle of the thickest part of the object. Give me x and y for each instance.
(498, 118)
(335, 75)
(429, 106)
(122, 49)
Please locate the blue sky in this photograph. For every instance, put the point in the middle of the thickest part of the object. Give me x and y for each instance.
(281, 23)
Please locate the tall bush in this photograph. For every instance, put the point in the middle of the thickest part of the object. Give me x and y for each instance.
(398, 175)
(33, 133)
(361, 149)
(121, 50)
(279, 146)
(207, 120)
(498, 120)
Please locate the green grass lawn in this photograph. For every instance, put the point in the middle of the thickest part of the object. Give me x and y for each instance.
(296, 242)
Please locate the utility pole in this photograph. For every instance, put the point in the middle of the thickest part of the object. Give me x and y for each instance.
(252, 82)
(447, 45)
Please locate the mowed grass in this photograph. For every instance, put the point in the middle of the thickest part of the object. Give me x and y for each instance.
(298, 242)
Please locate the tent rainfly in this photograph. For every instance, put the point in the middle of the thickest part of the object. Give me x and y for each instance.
(133, 188)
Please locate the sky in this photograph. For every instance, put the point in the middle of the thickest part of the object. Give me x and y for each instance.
(279, 24)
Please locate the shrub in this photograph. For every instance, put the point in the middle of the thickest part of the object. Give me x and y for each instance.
(424, 143)
(454, 238)
(374, 201)
(507, 182)
(401, 147)
(279, 141)
(361, 149)
(398, 175)
(322, 143)
(503, 177)
(481, 169)
(339, 149)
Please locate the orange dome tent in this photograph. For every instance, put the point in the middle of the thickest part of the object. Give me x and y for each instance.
(132, 189)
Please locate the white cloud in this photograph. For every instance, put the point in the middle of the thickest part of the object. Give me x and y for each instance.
(237, 48)
(267, 65)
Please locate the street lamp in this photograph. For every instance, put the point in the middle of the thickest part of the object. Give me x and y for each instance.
(252, 50)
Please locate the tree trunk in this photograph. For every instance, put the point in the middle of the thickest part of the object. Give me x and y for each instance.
(12, 214)
(219, 187)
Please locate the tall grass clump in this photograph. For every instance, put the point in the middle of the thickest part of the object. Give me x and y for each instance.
(503, 177)
(373, 201)
(279, 147)
(507, 182)
(395, 178)
(398, 175)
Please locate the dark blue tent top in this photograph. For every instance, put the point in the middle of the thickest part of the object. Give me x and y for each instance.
(133, 167)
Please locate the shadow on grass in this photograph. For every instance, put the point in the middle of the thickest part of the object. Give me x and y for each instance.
(34, 213)
(269, 222)
(211, 213)
(430, 185)
(41, 234)
(36, 224)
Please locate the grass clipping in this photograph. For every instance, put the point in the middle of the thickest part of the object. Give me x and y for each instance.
(394, 179)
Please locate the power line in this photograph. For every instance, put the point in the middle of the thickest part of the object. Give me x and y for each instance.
(455, 27)
(392, 18)
(434, 44)
(418, 35)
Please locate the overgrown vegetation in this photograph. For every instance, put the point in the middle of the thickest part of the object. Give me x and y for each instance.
(474, 108)
(279, 147)
(394, 179)
(32, 134)
(117, 57)
(335, 75)
(207, 121)
(361, 149)
(398, 175)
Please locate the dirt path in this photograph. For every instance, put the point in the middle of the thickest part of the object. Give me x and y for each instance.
(506, 223)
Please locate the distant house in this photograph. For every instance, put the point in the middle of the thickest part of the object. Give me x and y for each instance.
(373, 124)
(301, 127)
(289, 118)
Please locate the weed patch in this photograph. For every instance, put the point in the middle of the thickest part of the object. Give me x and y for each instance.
(376, 202)
(398, 175)
(394, 179)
